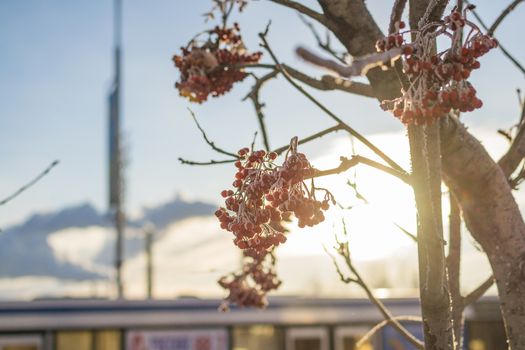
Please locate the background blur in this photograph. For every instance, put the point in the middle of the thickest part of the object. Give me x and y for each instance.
(55, 75)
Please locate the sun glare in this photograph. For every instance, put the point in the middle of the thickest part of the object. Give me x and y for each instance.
(370, 221)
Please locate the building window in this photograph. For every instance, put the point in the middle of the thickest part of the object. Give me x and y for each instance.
(259, 337)
(107, 340)
(78, 340)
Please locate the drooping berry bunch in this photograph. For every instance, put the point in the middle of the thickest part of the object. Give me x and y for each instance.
(212, 67)
(264, 193)
(249, 287)
(437, 81)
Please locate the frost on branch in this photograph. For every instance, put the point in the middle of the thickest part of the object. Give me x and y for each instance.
(213, 66)
(437, 81)
(266, 194)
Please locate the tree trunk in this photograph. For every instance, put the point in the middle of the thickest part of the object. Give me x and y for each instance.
(426, 181)
(493, 218)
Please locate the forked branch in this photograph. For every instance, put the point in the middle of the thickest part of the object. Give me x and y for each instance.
(347, 163)
(349, 129)
(343, 250)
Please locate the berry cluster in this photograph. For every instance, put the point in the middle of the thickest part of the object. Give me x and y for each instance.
(265, 196)
(393, 40)
(249, 287)
(265, 193)
(437, 82)
(213, 67)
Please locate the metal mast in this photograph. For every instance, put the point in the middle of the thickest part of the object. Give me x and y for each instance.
(116, 182)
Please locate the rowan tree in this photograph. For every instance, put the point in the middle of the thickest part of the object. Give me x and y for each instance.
(424, 82)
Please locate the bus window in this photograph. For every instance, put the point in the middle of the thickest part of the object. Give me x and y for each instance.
(20, 342)
(260, 337)
(346, 338)
(307, 338)
(486, 335)
(78, 340)
(107, 340)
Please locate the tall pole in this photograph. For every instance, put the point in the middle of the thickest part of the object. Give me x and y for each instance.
(149, 231)
(116, 182)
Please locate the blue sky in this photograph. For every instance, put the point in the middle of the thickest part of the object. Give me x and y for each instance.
(55, 72)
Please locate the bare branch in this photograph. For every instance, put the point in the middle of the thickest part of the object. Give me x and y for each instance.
(310, 138)
(208, 141)
(344, 252)
(343, 278)
(359, 66)
(383, 324)
(478, 292)
(323, 45)
(356, 159)
(319, 17)
(349, 129)
(512, 158)
(254, 97)
(211, 162)
(328, 82)
(502, 16)
(406, 232)
(29, 184)
(395, 15)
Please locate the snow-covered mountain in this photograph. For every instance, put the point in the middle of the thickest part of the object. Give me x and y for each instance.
(71, 252)
(34, 247)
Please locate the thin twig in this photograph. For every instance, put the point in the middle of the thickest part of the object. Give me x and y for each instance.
(502, 16)
(29, 184)
(208, 141)
(310, 138)
(342, 276)
(323, 45)
(258, 106)
(349, 129)
(478, 292)
(406, 232)
(211, 162)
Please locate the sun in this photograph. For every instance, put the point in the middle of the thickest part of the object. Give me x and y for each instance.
(373, 221)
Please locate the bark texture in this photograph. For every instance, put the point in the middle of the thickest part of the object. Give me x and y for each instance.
(354, 26)
(493, 218)
(433, 284)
